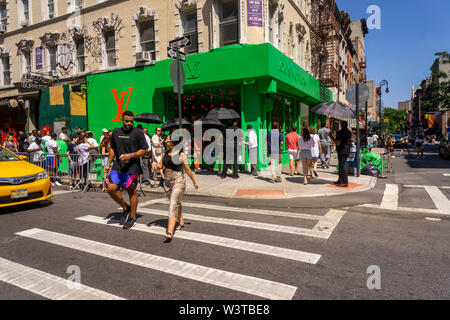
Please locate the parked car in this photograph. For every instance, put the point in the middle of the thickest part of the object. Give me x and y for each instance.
(20, 181)
(444, 148)
(398, 140)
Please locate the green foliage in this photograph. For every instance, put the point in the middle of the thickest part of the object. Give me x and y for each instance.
(396, 119)
(440, 89)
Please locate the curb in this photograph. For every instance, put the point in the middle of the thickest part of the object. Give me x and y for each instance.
(371, 185)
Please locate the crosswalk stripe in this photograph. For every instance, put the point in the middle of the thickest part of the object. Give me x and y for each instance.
(406, 209)
(296, 255)
(446, 174)
(48, 285)
(247, 284)
(439, 199)
(245, 210)
(390, 198)
(247, 224)
(335, 215)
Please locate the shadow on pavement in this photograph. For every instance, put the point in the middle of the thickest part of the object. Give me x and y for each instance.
(25, 207)
(431, 159)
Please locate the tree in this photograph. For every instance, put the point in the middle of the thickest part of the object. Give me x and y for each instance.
(439, 89)
(396, 119)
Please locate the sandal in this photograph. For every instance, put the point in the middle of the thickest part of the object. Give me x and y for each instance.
(179, 227)
(167, 238)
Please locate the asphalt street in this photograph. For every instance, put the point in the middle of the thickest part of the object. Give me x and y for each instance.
(233, 249)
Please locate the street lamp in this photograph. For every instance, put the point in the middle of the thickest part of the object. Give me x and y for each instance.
(386, 84)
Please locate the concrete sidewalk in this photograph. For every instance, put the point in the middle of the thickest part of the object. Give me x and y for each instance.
(262, 187)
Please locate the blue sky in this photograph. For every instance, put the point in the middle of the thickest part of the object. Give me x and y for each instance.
(402, 51)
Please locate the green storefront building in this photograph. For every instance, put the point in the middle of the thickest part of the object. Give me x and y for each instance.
(257, 81)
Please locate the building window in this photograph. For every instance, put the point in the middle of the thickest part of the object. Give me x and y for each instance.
(79, 46)
(280, 33)
(6, 72)
(26, 12)
(110, 48)
(229, 23)
(51, 9)
(189, 20)
(147, 37)
(78, 4)
(300, 53)
(52, 57)
(272, 10)
(26, 62)
(3, 14)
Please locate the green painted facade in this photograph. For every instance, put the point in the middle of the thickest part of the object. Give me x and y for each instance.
(264, 78)
(48, 113)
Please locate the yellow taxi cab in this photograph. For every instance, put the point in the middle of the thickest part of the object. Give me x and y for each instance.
(20, 181)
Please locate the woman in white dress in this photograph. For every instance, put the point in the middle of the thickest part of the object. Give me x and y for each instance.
(157, 151)
(315, 151)
(305, 145)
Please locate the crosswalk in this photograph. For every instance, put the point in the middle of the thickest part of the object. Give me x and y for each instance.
(313, 227)
(391, 198)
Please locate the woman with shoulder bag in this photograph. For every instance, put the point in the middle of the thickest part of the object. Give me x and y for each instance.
(157, 150)
(172, 163)
(305, 145)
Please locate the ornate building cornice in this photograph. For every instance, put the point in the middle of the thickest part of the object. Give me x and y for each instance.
(25, 44)
(50, 38)
(4, 51)
(185, 4)
(144, 14)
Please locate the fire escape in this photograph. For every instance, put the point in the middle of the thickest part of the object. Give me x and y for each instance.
(325, 41)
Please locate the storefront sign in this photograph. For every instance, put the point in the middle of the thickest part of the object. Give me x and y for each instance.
(39, 58)
(30, 81)
(254, 13)
(13, 103)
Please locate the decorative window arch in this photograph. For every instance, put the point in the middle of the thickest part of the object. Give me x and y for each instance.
(25, 50)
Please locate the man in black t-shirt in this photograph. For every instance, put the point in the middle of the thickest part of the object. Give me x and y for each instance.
(343, 143)
(128, 144)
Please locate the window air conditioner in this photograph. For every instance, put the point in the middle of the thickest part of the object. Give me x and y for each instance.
(53, 73)
(24, 23)
(143, 56)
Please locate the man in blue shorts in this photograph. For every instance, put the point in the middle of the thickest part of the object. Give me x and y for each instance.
(128, 144)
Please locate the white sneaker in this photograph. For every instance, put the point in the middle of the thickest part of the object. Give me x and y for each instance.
(198, 170)
(58, 184)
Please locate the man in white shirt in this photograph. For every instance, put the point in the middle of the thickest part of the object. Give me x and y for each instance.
(35, 151)
(63, 135)
(252, 145)
(375, 140)
(52, 161)
(47, 137)
(91, 139)
(105, 133)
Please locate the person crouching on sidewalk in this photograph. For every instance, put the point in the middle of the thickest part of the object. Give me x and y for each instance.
(172, 163)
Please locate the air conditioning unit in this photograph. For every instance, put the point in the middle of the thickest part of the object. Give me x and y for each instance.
(143, 57)
(53, 73)
(3, 28)
(24, 23)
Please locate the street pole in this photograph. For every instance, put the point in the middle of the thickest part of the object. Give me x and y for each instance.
(358, 146)
(379, 112)
(179, 86)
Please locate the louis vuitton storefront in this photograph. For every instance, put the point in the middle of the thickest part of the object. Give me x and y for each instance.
(257, 81)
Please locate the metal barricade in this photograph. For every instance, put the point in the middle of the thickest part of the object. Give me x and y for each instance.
(80, 172)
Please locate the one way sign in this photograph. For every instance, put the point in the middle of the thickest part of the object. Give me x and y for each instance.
(180, 42)
(172, 53)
